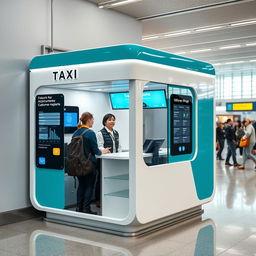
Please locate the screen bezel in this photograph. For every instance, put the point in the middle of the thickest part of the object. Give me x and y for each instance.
(70, 109)
(188, 146)
(142, 96)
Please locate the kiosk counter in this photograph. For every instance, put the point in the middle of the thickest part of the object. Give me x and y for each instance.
(164, 109)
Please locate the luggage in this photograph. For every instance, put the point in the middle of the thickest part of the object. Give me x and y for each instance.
(77, 164)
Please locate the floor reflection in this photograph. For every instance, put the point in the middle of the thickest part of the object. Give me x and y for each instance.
(195, 238)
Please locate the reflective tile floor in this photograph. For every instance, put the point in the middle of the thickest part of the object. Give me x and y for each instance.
(227, 227)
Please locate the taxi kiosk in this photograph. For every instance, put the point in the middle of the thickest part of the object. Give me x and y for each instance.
(164, 105)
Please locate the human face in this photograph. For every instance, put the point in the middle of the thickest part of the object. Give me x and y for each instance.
(110, 123)
(90, 122)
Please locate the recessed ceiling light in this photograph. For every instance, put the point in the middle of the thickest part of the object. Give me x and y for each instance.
(201, 50)
(252, 60)
(230, 46)
(178, 53)
(150, 37)
(248, 22)
(209, 28)
(178, 33)
(251, 44)
(114, 3)
(234, 62)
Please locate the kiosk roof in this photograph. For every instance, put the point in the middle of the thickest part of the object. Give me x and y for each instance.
(120, 52)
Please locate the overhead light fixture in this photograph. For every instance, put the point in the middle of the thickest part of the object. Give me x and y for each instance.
(252, 60)
(234, 62)
(201, 50)
(192, 30)
(251, 44)
(246, 22)
(179, 53)
(114, 3)
(217, 64)
(208, 28)
(149, 37)
(230, 47)
(178, 33)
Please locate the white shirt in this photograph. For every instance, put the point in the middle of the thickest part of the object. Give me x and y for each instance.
(100, 140)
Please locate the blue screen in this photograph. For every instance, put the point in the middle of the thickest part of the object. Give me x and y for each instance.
(151, 99)
(70, 119)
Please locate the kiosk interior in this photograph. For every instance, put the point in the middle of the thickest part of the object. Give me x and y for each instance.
(164, 109)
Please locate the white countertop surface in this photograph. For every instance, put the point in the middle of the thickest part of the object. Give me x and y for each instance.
(125, 155)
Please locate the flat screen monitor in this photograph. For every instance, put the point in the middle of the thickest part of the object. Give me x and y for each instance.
(181, 124)
(71, 117)
(151, 99)
(152, 145)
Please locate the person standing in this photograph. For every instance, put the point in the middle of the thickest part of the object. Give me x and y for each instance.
(231, 141)
(239, 135)
(220, 136)
(107, 137)
(249, 133)
(86, 183)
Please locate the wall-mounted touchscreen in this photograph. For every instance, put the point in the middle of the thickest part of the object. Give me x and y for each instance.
(181, 124)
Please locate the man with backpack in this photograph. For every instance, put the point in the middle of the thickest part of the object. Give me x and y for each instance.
(81, 161)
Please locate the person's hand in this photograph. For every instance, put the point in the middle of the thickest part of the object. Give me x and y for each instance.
(106, 150)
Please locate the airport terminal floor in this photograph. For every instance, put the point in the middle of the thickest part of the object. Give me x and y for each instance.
(227, 227)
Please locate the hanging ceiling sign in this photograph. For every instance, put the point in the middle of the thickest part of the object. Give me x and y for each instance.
(240, 106)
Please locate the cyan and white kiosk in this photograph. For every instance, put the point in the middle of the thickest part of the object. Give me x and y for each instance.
(164, 108)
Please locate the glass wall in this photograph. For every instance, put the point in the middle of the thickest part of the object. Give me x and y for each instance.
(240, 84)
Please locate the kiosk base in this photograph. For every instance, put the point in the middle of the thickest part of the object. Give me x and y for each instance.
(131, 230)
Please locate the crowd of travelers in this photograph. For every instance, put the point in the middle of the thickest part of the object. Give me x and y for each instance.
(239, 136)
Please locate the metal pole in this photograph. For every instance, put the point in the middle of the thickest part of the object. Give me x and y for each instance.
(51, 26)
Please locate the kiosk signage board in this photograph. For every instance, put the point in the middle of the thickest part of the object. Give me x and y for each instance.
(181, 124)
(50, 131)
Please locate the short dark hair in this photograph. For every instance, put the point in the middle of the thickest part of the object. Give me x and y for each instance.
(106, 117)
(229, 120)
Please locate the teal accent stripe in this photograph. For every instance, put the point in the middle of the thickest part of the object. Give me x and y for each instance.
(205, 242)
(202, 166)
(50, 188)
(120, 52)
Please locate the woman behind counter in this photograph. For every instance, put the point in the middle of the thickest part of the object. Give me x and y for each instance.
(107, 137)
(86, 183)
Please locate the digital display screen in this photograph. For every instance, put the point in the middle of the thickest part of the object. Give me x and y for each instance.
(49, 131)
(241, 106)
(70, 119)
(151, 99)
(181, 124)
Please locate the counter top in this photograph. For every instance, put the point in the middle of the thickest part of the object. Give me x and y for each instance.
(125, 155)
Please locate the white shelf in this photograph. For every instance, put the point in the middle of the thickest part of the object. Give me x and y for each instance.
(122, 193)
(118, 177)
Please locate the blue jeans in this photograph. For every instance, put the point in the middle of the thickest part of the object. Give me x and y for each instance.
(222, 143)
(231, 151)
(247, 154)
(85, 190)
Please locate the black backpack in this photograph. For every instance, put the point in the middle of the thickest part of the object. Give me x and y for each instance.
(77, 164)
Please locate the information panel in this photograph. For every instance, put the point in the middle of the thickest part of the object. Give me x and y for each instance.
(240, 106)
(181, 124)
(50, 131)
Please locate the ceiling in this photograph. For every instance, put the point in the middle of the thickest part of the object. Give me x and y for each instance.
(199, 29)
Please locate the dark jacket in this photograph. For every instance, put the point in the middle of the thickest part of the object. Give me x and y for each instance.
(90, 143)
(230, 133)
(108, 142)
(220, 134)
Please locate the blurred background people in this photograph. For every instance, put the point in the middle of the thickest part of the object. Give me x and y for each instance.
(220, 137)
